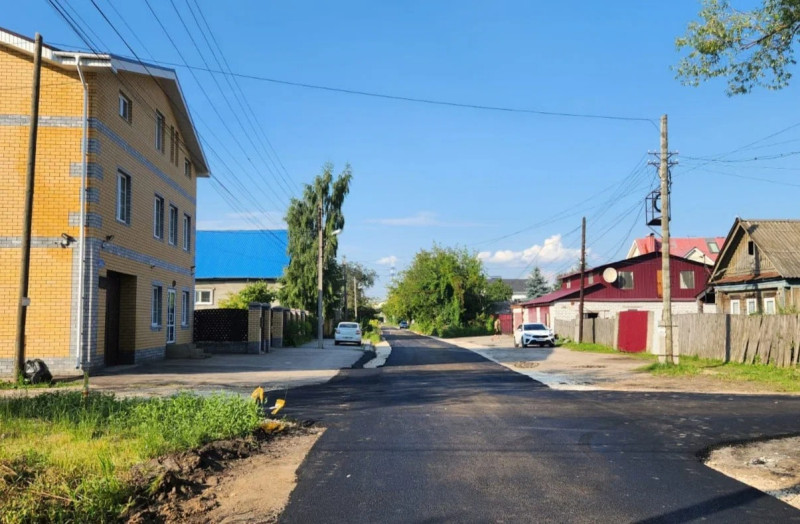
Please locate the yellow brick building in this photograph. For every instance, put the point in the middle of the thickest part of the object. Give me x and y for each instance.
(111, 279)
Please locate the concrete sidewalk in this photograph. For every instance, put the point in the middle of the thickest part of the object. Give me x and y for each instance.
(279, 369)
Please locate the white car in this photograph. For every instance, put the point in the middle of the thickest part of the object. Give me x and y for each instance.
(529, 334)
(347, 332)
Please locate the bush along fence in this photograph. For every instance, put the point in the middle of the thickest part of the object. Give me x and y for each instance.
(253, 330)
(754, 339)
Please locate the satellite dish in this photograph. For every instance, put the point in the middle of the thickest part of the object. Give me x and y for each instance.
(610, 275)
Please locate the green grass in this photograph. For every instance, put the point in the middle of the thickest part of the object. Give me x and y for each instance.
(779, 379)
(64, 457)
(599, 348)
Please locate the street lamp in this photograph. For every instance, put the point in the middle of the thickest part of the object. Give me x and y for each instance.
(321, 241)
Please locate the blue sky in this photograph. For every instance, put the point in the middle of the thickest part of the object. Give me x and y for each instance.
(511, 186)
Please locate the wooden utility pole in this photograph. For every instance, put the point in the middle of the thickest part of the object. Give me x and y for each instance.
(344, 269)
(355, 296)
(25, 263)
(663, 173)
(320, 240)
(583, 271)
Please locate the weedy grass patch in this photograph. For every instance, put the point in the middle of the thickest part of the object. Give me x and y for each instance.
(66, 457)
(779, 379)
(599, 348)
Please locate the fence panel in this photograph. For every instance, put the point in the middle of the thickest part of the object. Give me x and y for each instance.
(565, 328)
(220, 325)
(739, 338)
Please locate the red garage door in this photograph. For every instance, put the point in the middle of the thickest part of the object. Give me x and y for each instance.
(506, 325)
(633, 331)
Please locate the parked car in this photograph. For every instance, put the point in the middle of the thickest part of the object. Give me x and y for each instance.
(403, 324)
(347, 332)
(529, 334)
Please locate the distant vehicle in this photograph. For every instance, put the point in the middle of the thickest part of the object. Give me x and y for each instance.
(347, 332)
(529, 334)
(403, 324)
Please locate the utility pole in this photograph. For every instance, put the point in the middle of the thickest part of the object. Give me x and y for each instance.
(25, 263)
(355, 296)
(663, 173)
(344, 269)
(583, 271)
(320, 239)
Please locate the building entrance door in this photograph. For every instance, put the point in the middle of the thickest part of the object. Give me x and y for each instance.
(170, 316)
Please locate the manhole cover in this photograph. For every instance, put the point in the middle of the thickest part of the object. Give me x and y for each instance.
(525, 364)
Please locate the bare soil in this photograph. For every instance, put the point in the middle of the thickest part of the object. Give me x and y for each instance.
(241, 480)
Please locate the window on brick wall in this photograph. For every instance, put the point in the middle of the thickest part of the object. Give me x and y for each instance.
(125, 108)
(187, 168)
(173, 146)
(687, 279)
(160, 124)
(625, 279)
(204, 296)
(158, 217)
(156, 304)
(187, 232)
(173, 225)
(123, 197)
(184, 308)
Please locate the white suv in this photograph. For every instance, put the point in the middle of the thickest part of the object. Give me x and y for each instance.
(529, 334)
(347, 332)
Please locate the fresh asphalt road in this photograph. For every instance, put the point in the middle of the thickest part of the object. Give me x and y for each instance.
(441, 434)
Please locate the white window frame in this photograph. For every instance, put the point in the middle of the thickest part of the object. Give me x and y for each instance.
(158, 217)
(622, 283)
(160, 126)
(156, 306)
(185, 308)
(125, 107)
(770, 302)
(736, 310)
(187, 232)
(754, 303)
(172, 299)
(683, 284)
(198, 295)
(172, 232)
(123, 197)
(187, 168)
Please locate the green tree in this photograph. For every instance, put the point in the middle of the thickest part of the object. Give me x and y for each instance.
(299, 289)
(749, 48)
(364, 278)
(254, 292)
(536, 284)
(497, 291)
(443, 287)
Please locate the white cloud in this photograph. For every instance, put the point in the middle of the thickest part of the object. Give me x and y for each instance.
(421, 219)
(248, 220)
(391, 260)
(552, 250)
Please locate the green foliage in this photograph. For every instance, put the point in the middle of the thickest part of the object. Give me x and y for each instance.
(255, 292)
(772, 377)
(443, 287)
(749, 48)
(66, 457)
(298, 332)
(498, 291)
(363, 277)
(536, 285)
(299, 289)
(371, 330)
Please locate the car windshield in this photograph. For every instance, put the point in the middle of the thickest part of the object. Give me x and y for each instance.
(348, 325)
(534, 327)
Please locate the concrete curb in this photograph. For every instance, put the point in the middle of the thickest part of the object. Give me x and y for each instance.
(382, 352)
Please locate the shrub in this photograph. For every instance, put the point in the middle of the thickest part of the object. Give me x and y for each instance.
(298, 332)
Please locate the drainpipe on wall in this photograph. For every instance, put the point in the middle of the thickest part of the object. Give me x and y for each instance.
(79, 335)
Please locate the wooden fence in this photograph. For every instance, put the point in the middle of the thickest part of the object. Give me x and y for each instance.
(595, 330)
(738, 338)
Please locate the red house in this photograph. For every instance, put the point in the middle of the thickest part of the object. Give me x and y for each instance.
(633, 284)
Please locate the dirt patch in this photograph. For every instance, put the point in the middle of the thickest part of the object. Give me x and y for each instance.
(771, 466)
(242, 480)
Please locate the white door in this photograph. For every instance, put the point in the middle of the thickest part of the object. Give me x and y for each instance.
(170, 316)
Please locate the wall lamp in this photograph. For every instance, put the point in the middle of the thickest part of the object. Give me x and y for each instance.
(106, 240)
(66, 240)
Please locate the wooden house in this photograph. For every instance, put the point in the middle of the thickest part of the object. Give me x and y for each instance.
(758, 270)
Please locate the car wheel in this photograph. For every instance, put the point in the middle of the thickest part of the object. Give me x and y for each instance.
(335, 342)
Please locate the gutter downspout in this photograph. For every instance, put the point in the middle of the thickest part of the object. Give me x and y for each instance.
(79, 334)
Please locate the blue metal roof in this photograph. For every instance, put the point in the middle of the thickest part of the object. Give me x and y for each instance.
(257, 253)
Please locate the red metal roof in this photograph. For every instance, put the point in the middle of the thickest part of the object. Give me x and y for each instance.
(680, 246)
(550, 297)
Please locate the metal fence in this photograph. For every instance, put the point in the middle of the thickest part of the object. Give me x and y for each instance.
(220, 325)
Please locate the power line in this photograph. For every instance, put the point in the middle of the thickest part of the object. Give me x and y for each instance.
(428, 101)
